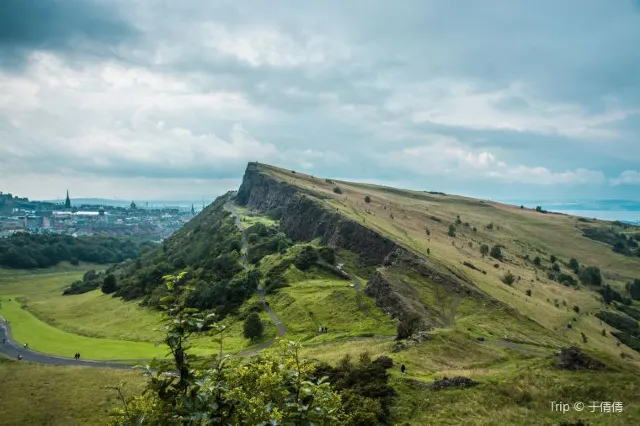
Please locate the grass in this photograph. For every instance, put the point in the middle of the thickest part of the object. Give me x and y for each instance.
(405, 216)
(52, 395)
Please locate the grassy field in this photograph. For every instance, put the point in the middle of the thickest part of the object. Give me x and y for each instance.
(51, 395)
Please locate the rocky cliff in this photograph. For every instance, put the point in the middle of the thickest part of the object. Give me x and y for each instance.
(304, 218)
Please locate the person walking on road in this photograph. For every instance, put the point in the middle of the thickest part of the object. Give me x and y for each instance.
(402, 368)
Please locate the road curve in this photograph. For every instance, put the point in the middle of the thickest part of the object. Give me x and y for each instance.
(11, 349)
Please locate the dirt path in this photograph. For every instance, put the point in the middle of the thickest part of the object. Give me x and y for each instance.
(11, 349)
(282, 329)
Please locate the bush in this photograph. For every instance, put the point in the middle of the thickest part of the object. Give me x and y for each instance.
(496, 252)
(537, 261)
(555, 267)
(337, 190)
(553, 259)
(529, 292)
(490, 226)
(408, 326)
(634, 289)
(574, 265)
(306, 258)
(508, 278)
(452, 231)
(253, 327)
(109, 285)
(576, 309)
(590, 275)
(327, 254)
(484, 250)
(367, 199)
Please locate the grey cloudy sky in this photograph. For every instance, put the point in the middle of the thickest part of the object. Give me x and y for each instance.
(155, 99)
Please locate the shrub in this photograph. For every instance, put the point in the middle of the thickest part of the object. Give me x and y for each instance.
(590, 275)
(508, 278)
(367, 199)
(576, 309)
(328, 180)
(634, 289)
(452, 231)
(408, 326)
(490, 226)
(475, 229)
(556, 267)
(529, 292)
(109, 284)
(574, 265)
(484, 250)
(253, 328)
(537, 261)
(458, 220)
(496, 252)
(337, 190)
(327, 254)
(306, 258)
(553, 259)
(427, 231)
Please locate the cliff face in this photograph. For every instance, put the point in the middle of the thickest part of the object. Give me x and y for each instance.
(304, 219)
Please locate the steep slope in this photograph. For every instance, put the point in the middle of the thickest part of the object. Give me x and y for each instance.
(427, 247)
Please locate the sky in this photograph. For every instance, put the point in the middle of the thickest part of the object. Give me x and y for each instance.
(146, 99)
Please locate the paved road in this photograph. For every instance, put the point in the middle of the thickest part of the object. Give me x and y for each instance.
(11, 349)
(282, 329)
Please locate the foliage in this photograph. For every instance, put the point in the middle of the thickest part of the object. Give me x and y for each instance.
(253, 327)
(528, 292)
(30, 251)
(277, 388)
(590, 275)
(496, 252)
(553, 259)
(619, 242)
(574, 265)
(609, 295)
(508, 278)
(328, 254)
(109, 285)
(537, 261)
(90, 281)
(484, 249)
(367, 199)
(555, 267)
(452, 231)
(365, 389)
(337, 190)
(634, 289)
(307, 257)
(629, 329)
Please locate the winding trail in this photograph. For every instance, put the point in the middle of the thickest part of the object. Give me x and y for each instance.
(282, 329)
(11, 349)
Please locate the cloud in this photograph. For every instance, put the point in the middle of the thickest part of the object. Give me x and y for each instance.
(448, 157)
(525, 95)
(628, 177)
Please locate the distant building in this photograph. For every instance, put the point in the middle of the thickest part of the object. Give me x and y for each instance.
(67, 201)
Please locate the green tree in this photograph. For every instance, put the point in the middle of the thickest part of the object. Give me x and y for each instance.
(484, 250)
(109, 285)
(634, 289)
(253, 327)
(367, 199)
(590, 275)
(553, 259)
(574, 265)
(537, 261)
(274, 388)
(452, 231)
(496, 252)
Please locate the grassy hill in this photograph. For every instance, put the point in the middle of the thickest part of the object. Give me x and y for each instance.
(470, 287)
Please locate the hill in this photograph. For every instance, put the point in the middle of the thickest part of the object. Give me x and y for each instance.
(468, 287)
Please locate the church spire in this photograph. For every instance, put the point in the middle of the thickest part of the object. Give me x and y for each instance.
(193, 210)
(67, 201)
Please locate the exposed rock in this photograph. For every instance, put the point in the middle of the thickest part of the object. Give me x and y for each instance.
(456, 382)
(415, 339)
(572, 358)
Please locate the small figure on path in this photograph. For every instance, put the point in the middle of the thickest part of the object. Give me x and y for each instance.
(75, 356)
(26, 346)
(19, 357)
(78, 356)
(402, 368)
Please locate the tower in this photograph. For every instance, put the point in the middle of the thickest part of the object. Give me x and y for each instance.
(67, 201)
(193, 210)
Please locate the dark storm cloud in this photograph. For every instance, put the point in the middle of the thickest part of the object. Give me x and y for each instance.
(58, 25)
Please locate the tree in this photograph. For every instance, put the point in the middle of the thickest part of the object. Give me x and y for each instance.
(273, 388)
(553, 259)
(508, 278)
(452, 231)
(253, 327)
(574, 265)
(528, 292)
(367, 199)
(337, 190)
(556, 267)
(408, 325)
(590, 275)
(537, 261)
(496, 252)
(634, 289)
(484, 250)
(109, 285)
